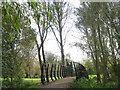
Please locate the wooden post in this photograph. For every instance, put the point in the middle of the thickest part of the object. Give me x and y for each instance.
(51, 73)
(58, 74)
(55, 71)
(60, 71)
(63, 71)
(71, 69)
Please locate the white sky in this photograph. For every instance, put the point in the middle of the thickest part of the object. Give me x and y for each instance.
(73, 36)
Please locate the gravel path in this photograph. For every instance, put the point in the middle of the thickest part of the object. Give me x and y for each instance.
(61, 83)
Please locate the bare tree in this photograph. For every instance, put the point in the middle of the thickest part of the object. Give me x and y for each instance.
(60, 15)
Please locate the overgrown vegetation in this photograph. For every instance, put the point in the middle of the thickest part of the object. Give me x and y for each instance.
(92, 83)
(99, 24)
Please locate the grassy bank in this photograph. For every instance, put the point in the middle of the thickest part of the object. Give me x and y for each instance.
(92, 83)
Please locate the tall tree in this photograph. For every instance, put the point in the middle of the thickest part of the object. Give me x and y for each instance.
(42, 16)
(14, 22)
(99, 35)
(60, 15)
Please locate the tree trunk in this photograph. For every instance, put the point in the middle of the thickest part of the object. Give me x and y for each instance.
(94, 53)
(61, 44)
(47, 68)
(41, 66)
(60, 34)
(42, 80)
(44, 60)
(43, 52)
(104, 61)
(62, 49)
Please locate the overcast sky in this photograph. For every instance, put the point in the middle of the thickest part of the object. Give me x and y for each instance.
(73, 36)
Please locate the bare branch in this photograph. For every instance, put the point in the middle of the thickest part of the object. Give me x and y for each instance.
(55, 35)
(66, 35)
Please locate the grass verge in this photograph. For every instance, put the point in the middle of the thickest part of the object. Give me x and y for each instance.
(32, 82)
(92, 83)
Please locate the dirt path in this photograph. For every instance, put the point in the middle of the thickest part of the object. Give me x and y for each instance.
(61, 83)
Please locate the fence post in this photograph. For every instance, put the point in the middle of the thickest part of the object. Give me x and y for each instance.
(60, 71)
(58, 74)
(55, 71)
(71, 69)
(51, 72)
(63, 71)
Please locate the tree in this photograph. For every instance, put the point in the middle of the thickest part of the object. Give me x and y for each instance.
(50, 57)
(99, 35)
(15, 22)
(60, 15)
(31, 66)
(41, 13)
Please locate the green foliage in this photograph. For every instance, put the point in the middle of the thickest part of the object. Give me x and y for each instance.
(99, 22)
(92, 83)
(31, 70)
(89, 66)
(92, 76)
(15, 30)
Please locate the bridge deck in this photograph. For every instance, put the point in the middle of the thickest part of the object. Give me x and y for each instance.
(61, 83)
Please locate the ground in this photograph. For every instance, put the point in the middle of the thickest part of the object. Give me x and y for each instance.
(61, 83)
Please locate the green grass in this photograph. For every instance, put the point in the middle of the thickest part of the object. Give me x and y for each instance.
(29, 82)
(31, 79)
(92, 83)
(32, 82)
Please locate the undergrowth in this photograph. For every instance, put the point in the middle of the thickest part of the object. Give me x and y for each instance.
(92, 83)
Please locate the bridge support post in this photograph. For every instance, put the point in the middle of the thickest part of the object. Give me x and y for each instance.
(58, 73)
(55, 71)
(51, 72)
